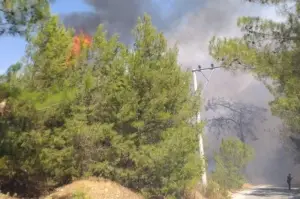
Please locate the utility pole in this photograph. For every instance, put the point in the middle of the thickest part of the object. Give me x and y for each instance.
(198, 117)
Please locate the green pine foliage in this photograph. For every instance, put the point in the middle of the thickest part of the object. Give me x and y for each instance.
(19, 16)
(232, 158)
(271, 50)
(114, 112)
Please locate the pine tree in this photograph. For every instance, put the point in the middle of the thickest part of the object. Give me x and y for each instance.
(271, 50)
(33, 150)
(143, 99)
(232, 158)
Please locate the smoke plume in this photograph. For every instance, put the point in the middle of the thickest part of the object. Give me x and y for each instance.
(120, 16)
(191, 24)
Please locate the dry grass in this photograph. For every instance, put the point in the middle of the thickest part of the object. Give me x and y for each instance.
(3, 196)
(194, 194)
(93, 189)
(247, 186)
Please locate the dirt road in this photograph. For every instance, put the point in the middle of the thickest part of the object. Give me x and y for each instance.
(269, 192)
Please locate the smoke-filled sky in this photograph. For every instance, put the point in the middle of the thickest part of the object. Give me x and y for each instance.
(272, 162)
(120, 16)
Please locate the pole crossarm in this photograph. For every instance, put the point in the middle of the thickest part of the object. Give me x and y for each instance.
(201, 69)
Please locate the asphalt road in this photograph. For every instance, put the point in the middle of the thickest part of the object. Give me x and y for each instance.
(270, 192)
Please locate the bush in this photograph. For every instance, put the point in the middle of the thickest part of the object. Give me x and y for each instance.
(215, 191)
(232, 158)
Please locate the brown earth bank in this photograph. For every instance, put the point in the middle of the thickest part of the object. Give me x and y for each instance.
(89, 189)
(98, 189)
(92, 189)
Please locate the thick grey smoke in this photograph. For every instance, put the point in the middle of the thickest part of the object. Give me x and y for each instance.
(117, 16)
(272, 162)
(191, 24)
(121, 16)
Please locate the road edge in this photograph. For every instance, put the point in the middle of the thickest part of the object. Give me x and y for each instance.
(248, 190)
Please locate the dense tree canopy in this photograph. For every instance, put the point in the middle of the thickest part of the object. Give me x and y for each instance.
(118, 113)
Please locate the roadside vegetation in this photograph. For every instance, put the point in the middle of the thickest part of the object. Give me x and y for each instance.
(231, 160)
(98, 108)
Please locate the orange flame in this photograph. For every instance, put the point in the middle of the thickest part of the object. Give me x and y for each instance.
(83, 40)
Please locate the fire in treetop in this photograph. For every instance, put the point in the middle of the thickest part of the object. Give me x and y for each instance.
(81, 40)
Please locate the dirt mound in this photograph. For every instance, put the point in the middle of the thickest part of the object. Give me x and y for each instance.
(93, 189)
